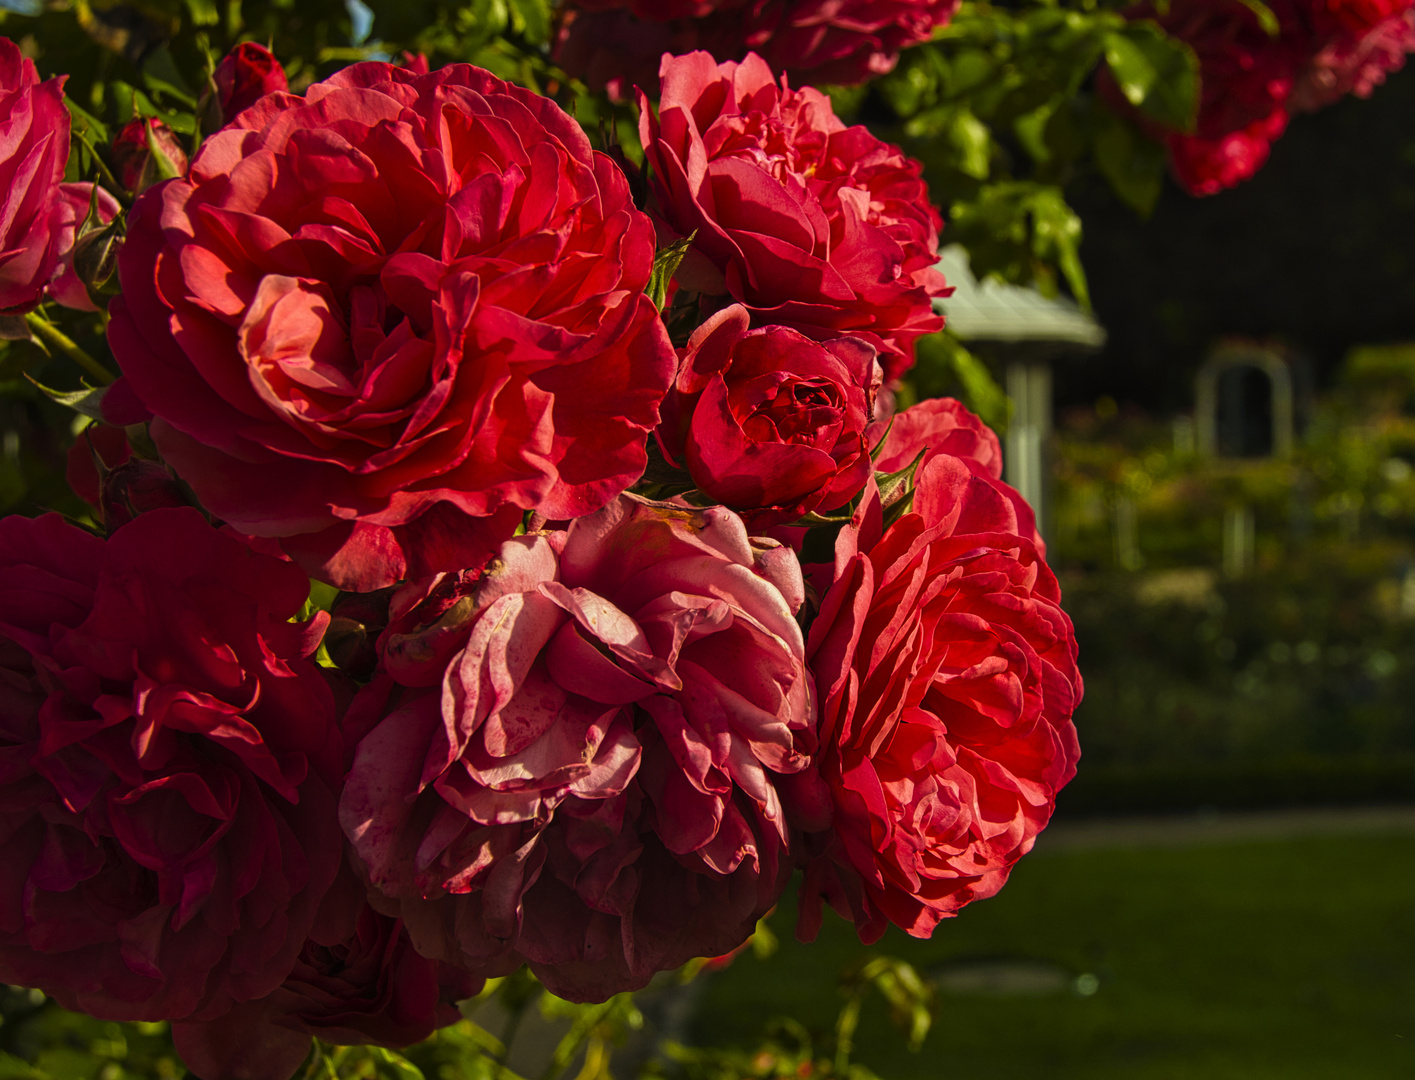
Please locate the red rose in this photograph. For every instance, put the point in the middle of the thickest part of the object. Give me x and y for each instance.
(137, 166)
(947, 674)
(1356, 62)
(618, 42)
(357, 981)
(770, 422)
(73, 202)
(594, 787)
(34, 148)
(245, 75)
(382, 321)
(168, 755)
(808, 223)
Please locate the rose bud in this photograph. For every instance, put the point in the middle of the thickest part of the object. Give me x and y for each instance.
(356, 620)
(770, 422)
(146, 150)
(136, 486)
(88, 245)
(245, 75)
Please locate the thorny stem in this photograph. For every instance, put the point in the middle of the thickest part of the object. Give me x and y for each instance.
(43, 328)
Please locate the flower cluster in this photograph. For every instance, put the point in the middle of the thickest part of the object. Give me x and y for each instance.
(617, 43)
(1252, 80)
(580, 702)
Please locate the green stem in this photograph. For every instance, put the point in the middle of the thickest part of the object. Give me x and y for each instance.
(43, 328)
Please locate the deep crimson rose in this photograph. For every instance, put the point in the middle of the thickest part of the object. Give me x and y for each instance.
(947, 674)
(1252, 81)
(808, 223)
(357, 981)
(34, 148)
(1358, 61)
(770, 422)
(168, 764)
(74, 202)
(381, 321)
(245, 75)
(618, 43)
(134, 161)
(594, 780)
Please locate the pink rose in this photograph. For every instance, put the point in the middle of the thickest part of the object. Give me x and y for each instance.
(168, 766)
(357, 981)
(808, 223)
(770, 422)
(381, 321)
(34, 148)
(597, 784)
(245, 75)
(947, 674)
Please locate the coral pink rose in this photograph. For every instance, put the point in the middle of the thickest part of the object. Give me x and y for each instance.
(168, 765)
(381, 321)
(245, 75)
(808, 223)
(770, 422)
(590, 782)
(357, 981)
(617, 43)
(34, 148)
(947, 674)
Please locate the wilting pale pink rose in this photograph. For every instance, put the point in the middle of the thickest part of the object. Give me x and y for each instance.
(593, 781)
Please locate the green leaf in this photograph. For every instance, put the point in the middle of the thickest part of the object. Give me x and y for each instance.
(88, 401)
(1266, 19)
(1158, 74)
(972, 140)
(1133, 163)
(665, 265)
(204, 12)
(159, 72)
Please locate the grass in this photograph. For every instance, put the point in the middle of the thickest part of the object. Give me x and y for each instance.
(1281, 960)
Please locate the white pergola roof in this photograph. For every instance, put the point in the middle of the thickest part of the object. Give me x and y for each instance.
(996, 311)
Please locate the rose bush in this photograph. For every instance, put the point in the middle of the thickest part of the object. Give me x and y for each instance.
(170, 767)
(592, 779)
(770, 422)
(381, 321)
(618, 43)
(806, 222)
(947, 677)
(34, 147)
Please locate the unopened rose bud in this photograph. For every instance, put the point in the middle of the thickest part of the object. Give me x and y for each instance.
(245, 75)
(146, 150)
(136, 486)
(356, 621)
(96, 255)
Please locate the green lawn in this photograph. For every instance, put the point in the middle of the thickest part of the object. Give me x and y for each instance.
(1282, 960)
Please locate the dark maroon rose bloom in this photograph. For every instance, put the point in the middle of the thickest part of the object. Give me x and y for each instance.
(34, 148)
(618, 43)
(357, 981)
(382, 321)
(770, 422)
(947, 674)
(805, 222)
(168, 767)
(586, 762)
(245, 75)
